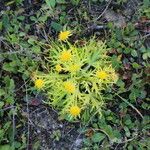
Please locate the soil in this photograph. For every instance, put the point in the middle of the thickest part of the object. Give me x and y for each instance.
(49, 132)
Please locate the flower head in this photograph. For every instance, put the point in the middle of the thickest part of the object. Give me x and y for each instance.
(39, 83)
(69, 87)
(74, 111)
(65, 56)
(74, 68)
(63, 35)
(58, 68)
(102, 75)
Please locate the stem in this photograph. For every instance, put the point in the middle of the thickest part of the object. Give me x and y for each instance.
(129, 104)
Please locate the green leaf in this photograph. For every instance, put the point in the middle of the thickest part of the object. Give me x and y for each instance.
(51, 3)
(130, 147)
(127, 50)
(134, 94)
(134, 53)
(9, 84)
(13, 38)
(8, 67)
(75, 2)
(5, 21)
(61, 1)
(145, 106)
(56, 26)
(117, 134)
(1, 104)
(2, 133)
(36, 49)
(7, 125)
(108, 129)
(31, 40)
(10, 3)
(36, 145)
(94, 57)
(21, 18)
(2, 92)
(5, 147)
(97, 137)
(17, 144)
(146, 55)
(135, 65)
(146, 2)
(32, 18)
(1, 25)
(21, 34)
(127, 131)
(43, 18)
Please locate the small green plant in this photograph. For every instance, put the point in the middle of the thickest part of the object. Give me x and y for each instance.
(78, 76)
(144, 9)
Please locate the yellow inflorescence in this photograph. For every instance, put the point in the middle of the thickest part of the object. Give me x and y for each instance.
(74, 111)
(39, 83)
(65, 56)
(69, 87)
(73, 80)
(102, 75)
(58, 68)
(63, 35)
(74, 68)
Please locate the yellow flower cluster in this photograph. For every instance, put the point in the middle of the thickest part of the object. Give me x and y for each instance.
(101, 75)
(63, 35)
(65, 56)
(74, 68)
(69, 87)
(75, 110)
(58, 68)
(39, 83)
(72, 81)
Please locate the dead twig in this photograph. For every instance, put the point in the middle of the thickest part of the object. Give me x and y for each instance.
(145, 36)
(10, 107)
(28, 134)
(129, 105)
(103, 11)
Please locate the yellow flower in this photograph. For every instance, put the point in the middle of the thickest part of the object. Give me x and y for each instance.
(69, 87)
(74, 68)
(58, 68)
(74, 111)
(39, 83)
(63, 35)
(65, 56)
(102, 75)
